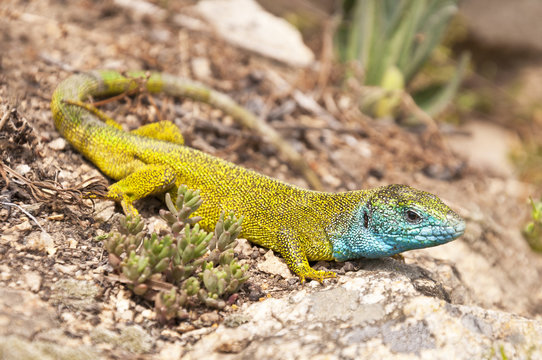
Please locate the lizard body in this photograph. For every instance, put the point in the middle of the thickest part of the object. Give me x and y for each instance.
(300, 224)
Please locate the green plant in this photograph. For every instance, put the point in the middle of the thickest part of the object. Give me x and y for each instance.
(532, 232)
(391, 40)
(183, 267)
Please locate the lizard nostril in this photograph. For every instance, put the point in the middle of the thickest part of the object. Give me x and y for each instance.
(456, 221)
(452, 217)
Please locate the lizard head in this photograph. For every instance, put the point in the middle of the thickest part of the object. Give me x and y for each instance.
(394, 219)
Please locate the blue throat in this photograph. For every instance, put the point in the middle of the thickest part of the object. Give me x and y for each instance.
(354, 240)
(376, 233)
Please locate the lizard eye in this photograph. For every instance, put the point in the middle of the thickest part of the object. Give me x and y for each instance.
(412, 217)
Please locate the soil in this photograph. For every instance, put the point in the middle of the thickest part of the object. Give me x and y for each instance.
(48, 232)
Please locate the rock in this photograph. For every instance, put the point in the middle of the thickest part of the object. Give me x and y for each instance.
(360, 318)
(33, 280)
(22, 169)
(65, 269)
(41, 241)
(135, 339)
(273, 265)
(156, 224)
(210, 318)
(171, 351)
(14, 347)
(58, 144)
(201, 67)
(76, 294)
(245, 24)
(123, 305)
(24, 226)
(5, 272)
(104, 211)
(132, 338)
(243, 248)
(24, 314)
(256, 293)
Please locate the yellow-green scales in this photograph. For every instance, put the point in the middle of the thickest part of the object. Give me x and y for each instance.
(299, 224)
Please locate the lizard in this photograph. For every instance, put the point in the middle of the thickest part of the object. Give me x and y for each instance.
(302, 225)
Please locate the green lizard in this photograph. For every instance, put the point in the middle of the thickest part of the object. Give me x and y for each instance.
(302, 225)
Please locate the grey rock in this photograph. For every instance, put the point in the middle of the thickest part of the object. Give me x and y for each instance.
(372, 314)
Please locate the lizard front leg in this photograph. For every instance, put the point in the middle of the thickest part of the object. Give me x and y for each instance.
(148, 180)
(290, 247)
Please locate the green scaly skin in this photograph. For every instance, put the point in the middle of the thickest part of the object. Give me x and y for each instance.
(301, 225)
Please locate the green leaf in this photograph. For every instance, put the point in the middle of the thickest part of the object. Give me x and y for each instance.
(435, 98)
(170, 205)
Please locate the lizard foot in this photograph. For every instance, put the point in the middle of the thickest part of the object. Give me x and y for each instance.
(318, 275)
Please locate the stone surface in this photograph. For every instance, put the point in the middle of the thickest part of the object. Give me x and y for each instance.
(16, 348)
(131, 338)
(245, 24)
(24, 320)
(76, 294)
(360, 318)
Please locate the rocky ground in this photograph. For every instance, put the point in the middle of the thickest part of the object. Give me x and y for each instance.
(477, 297)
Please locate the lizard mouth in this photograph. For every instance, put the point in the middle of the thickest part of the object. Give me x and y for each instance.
(441, 234)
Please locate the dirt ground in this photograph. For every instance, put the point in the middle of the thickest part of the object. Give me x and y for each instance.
(47, 233)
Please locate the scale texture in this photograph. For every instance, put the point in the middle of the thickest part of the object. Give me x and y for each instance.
(302, 225)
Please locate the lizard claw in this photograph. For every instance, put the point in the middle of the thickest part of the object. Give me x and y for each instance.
(318, 275)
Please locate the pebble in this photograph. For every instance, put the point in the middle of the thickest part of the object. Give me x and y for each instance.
(24, 226)
(210, 318)
(243, 247)
(201, 67)
(349, 266)
(255, 293)
(33, 280)
(22, 169)
(58, 144)
(274, 266)
(67, 317)
(41, 241)
(65, 269)
(5, 273)
(104, 211)
(72, 243)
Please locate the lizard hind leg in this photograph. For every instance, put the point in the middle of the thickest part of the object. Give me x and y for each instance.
(145, 181)
(162, 130)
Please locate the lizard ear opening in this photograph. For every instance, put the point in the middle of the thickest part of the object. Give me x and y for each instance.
(365, 219)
